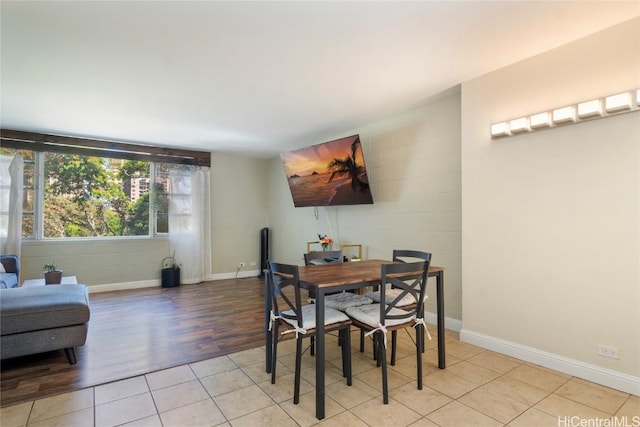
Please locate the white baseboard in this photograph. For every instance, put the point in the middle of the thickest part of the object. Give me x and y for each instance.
(449, 322)
(240, 275)
(606, 377)
(123, 286)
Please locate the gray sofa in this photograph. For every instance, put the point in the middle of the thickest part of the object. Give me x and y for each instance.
(10, 277)
(43, 318)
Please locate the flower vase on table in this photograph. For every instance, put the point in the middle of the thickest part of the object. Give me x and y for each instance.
(325, 241)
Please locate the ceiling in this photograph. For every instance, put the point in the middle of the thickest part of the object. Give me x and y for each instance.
(259, 78)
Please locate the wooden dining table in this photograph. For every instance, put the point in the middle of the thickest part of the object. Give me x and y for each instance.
(330, 278)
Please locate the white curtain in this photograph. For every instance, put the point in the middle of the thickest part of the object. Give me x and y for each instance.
(190, 222)
(11, 173)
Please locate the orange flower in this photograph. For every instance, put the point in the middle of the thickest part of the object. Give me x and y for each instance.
(325, 241)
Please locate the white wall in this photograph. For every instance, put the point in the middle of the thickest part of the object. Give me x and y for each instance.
(551, 219)
(105, 264)
(413, 161)
(239, 211)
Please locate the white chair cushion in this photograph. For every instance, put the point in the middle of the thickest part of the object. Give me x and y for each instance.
(390, 295)
(309, 317)
(344, 300)
(370, 314)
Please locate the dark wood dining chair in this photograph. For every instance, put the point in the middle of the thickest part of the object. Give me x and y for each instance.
(322, 257)
(407, 255)
(406, 303)
(379, 318)
(337, 300)
(287, 311)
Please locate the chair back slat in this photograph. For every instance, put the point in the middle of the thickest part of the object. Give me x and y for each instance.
(281, 280)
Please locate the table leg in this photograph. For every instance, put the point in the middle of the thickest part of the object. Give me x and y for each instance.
(319, 353)
(267, 316)
(440, 307)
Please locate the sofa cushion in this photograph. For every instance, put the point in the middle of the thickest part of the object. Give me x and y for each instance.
(42, 307)
(10, 263)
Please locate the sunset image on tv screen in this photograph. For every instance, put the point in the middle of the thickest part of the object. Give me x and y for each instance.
(328, 174)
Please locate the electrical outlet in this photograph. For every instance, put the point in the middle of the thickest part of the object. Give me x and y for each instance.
(241, 264)
(608, 351)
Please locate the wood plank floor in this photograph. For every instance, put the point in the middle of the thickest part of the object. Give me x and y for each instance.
(138, 331)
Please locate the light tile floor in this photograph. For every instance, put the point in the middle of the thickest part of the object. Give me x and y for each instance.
(478, 388)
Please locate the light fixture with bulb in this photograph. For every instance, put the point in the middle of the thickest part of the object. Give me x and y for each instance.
(607, 106)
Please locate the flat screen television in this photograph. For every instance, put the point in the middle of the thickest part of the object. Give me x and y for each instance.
(329, 174)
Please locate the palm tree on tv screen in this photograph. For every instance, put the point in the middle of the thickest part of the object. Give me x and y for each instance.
(348, 166)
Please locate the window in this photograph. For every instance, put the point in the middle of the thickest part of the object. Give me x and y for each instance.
(172, 184)
(83, 188)
(84, 196)
(88, 196)
(160, 198)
